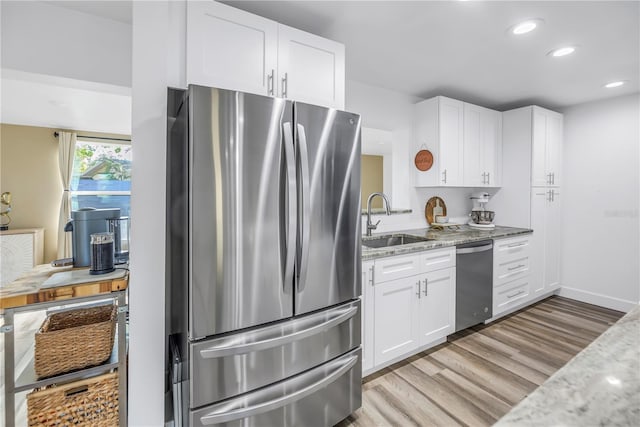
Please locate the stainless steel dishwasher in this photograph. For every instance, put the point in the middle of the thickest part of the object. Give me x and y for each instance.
(474, 283)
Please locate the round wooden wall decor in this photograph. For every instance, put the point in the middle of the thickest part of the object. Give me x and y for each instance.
(424, 160)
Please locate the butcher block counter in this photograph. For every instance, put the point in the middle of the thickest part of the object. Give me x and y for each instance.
(46, 283)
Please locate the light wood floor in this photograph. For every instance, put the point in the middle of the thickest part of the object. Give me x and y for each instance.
(482, 372)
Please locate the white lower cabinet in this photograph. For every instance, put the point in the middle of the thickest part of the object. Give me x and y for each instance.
(396, 318)
(367, 315)
(545, 222)
(437, 305)
(409, 302)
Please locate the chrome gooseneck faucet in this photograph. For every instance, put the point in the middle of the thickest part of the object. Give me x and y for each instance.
(370, 225)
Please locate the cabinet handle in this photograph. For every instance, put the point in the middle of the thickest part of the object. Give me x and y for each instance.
(418, 293)
(426, 281)
(516, 294)
(484, 178)
(548, 179)
(488, 178)
(549, 196)
(516, 267)
(284, 85)
(270, 78)
(444, 176)
(553, 178)
(372, 270)
(515, 245)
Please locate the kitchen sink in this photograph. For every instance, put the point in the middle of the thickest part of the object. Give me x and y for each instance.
(394, 240)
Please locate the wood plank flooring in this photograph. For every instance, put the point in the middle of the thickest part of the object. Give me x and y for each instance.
(481, 373)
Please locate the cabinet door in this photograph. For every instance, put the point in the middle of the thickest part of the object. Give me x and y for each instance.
(396, 318)
(491, 143)
(16, 256)
(230, 48)
(474, 174)
(538, 150)
(451, 130)
(368, 296)
(481, 147)
(310, 68)
(552, 230)
(554, 148)
(437, 305)
(539, 198)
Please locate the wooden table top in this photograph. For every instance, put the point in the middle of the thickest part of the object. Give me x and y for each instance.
(29, 289)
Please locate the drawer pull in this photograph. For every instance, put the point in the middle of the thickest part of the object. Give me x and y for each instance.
(516, 267)
(278, 335)
(515, 245)
(516, 294)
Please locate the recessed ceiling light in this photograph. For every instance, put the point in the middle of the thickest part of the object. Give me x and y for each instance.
(615, 84)
(524, 27)
(563, 51)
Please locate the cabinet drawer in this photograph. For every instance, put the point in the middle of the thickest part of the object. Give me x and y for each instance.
(511, 249)
(396, 268)
(437, 259)
(510, 269)
(510, 295)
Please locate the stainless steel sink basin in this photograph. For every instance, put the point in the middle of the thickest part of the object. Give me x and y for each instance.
(394, 240)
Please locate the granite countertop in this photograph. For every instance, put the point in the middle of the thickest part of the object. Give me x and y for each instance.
(598, 387)
(439, 239)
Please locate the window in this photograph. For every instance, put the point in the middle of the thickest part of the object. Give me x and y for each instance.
(101, 176)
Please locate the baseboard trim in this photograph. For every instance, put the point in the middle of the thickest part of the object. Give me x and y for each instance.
(597, 299)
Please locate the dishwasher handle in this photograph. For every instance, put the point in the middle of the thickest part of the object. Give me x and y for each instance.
(483, 248)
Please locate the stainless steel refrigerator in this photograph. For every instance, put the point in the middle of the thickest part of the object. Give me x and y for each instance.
(263, 260)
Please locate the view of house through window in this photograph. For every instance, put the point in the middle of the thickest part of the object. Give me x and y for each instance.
(101, 176)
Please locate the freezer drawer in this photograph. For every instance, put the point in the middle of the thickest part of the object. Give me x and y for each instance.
(320, 397)
(238, 363)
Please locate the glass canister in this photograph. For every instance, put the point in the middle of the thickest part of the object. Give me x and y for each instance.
(120, 229)
(101, 253)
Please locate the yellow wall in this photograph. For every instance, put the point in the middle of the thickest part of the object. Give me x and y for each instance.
(371, 180)
(29, 170)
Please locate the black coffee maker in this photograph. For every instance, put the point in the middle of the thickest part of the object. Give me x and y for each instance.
(87, 221)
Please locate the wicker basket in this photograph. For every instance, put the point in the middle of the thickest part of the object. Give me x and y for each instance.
(88, 402)
(74, 339)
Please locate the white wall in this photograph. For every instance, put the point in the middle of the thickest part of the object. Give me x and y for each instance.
(392, 111)
(45, 39)
(153, 58)
(600, 229)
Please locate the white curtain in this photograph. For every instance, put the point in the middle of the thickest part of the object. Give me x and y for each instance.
(66, 152)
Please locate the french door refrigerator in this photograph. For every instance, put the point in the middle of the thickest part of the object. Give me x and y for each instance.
(263, 260)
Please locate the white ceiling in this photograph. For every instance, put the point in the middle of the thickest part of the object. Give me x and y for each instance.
(48, 101)
(462, 49)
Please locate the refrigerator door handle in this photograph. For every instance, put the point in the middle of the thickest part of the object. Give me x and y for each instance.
(291, 210)
(336, 369)
(272, 336)
(306, 207)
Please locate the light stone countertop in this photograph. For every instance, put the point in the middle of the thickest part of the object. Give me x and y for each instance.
(598, 387)
(440, 239)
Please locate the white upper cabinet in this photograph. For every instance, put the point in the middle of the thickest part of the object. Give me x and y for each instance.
(230, 49)
(482, 146)
(438, 126)
(546, 150)
(465, 140)
(233, 49)
(311, 68)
